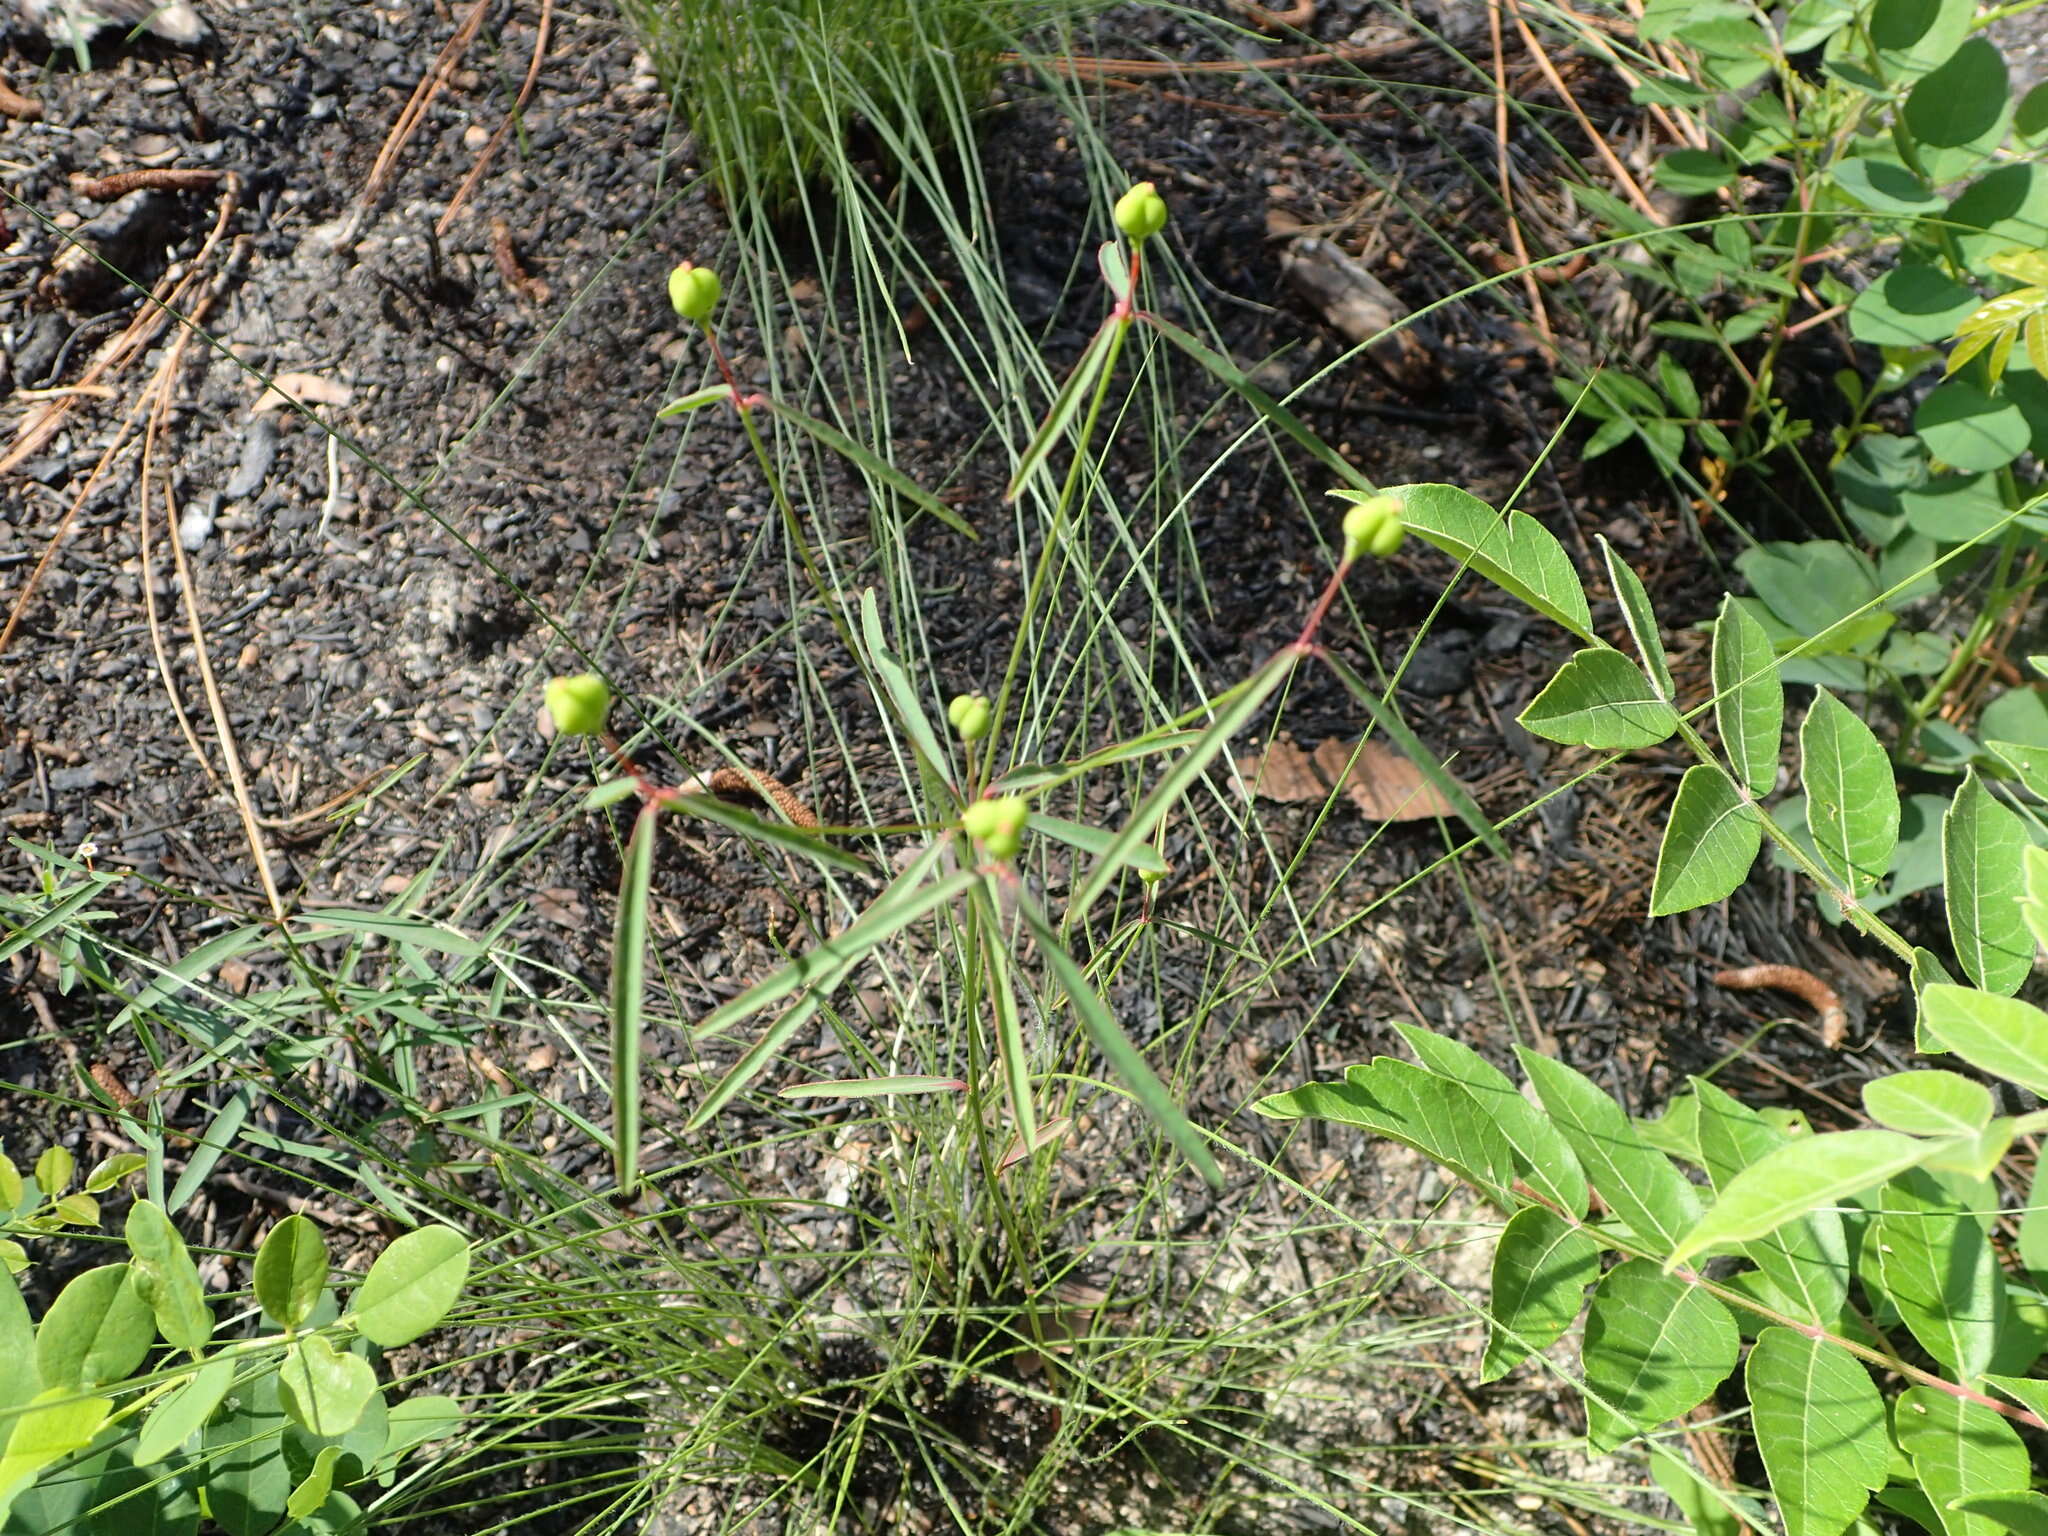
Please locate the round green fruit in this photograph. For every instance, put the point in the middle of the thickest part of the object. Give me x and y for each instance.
(694, 291)
(1141, 212)
(972, 715)
(579, 704)
(1373, 526)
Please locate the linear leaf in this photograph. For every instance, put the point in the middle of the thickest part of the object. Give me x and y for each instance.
(777, 834)
(1387, 718)
(629, 996)
(1064, 406)
(1010, 1048)
(871, 463)
(1541, 1268)
(1981, 847)
(1637, 613)
(1234, 378)
(1124, 1058)
(1820, 1428)
(1542, 1156)
(2000, 1035)
(179, 1416)
(1638, 1182)
(1852, 805)
(896, 683)
(1709, 843)
(1749, 697)
(1516, 553)
(1600, 699)
(1654, 1347)
(873, 1087)
(1233, 711)
(1796, 1178)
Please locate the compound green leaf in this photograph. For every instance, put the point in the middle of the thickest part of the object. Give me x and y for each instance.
(1654, 1347)
(1808, 1258)
(1820, 1428)
(1638, 1182)
(1542, 1156)
(1434, 1115)
(1541, 1268)
(167, 1277)
(1709, 844)
(323, 1388)
(57, 1422)
(1959, 1450)
(411, 1286)
(97, 1330)
(1982, 844)
(1636, 611)
(1852, 805)
(291, 1270)
(1928, 1103)
(1999, 1035)
(1935, 1266)
(1749, 697)
(1964, 427)
(1796, 1178)
(178, 1417)
(1515, 553)
(1600, 699)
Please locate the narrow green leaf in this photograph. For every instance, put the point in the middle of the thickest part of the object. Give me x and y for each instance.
(1010, 1047)
(610, 792)
(1638, 1182)
(1387, 718)
(902, 694)
(873, 1087)
(1124, 1058)
(1928, 1103)
(1065, 405)
(1515, 553)
(1959, 1450)
(711, 394)
(1796, 1178)
(113, 1171)
(1820, 1428)
(1542, 1156)
(1541, 1268)
(219, 1135)
(1435, 1115)
(323, 1388)
(1636, 611)
(1600, 699)
(1981, 847)
(761, 829)
(1095, 840)
(869, 463)
(1749, 697)
(1654, 1348)
(97, 1330)
(904, 901)
(1271, 411)
(1999, 1035)
(1115, 267)
(411, 1286)
(629, 996)
(178, 1417)
(168, 1278)
(1709, 843)
(291, 1271)
(1232, 711)
(1852, 803)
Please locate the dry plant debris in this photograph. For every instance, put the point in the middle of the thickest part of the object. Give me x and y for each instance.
(1378, 780)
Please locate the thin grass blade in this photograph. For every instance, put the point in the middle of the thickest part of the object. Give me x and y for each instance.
(1064, 406)
(629, 997)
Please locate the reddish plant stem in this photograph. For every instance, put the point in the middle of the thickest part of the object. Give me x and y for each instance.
(1317, 614)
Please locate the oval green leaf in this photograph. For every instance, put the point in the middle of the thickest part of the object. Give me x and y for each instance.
(1600, 699)
(412, 1285)
(1820, 1428)
(1794, 1179)
(1852, 805)
(1655, 1347)
(1982, 845)
(1709, 843)
(291, 1269)
(98, 1329)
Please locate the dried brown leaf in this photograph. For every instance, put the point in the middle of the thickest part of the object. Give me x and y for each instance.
(1382, 783)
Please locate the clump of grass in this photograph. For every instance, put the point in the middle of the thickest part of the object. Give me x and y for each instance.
(774, 88)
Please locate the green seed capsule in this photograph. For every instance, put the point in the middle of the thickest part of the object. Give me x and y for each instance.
(578, 705)
(694, 291)
(1141, 212)
(998, 825)
(972, 715)
(1366, 525)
